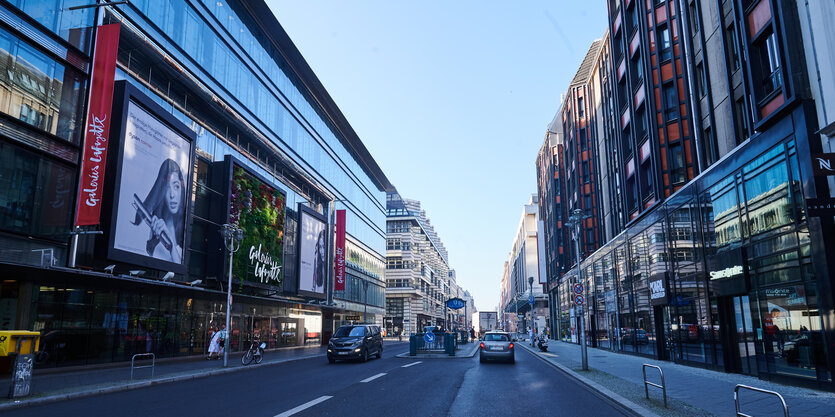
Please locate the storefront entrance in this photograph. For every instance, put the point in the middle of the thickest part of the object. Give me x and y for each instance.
(737, 335)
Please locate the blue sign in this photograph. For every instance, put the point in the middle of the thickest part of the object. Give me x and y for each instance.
(455, 303)
(429, 337)
(530, 300)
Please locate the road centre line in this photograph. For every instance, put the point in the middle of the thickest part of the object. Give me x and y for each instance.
(410, 364)
(304, 406)
(371, 378)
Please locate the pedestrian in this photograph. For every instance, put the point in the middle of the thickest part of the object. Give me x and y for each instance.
(218, 342)
(530, 331)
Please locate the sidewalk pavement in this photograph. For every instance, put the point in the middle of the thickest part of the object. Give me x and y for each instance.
(691, 391)
(49, 385)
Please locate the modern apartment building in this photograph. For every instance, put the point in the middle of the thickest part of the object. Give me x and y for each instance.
(524, 263)
(711, 124)
(213, 103)
(418, 279)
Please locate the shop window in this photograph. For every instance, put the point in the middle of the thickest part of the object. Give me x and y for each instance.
(791, 334)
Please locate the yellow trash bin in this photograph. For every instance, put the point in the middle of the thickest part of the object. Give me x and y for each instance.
(28, 342)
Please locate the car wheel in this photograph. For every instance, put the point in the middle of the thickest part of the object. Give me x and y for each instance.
(380, 353)
(365, 355)
(331, 360)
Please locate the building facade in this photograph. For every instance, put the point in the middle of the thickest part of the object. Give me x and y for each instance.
(523, 263)
(251, 138)
(418, 278)
(719, 257)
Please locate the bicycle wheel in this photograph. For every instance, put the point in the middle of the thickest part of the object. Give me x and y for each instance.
(260, 356)
(247, 358)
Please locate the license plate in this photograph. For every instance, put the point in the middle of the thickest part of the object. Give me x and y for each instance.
(496, 348)
(343, 353)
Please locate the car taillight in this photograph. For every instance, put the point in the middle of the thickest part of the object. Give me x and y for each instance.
(482, 345)
(511, 346)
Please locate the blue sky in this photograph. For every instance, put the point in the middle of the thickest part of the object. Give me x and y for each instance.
(452, 98)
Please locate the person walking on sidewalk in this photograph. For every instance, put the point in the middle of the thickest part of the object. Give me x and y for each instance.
(531, 333)
(218, 342)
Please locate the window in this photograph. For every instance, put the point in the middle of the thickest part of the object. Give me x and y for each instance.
(694, 18)
(677, 165)
(732, 47)
(670, 102)
(701, 84)
(633, 19)
(666, 45)
(769, 64)
(741, 114)
(581, 110)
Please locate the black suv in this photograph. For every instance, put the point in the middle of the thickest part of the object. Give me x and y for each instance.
(356, 341)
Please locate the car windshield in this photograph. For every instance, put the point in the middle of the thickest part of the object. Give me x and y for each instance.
(350, 331)
(495, 337)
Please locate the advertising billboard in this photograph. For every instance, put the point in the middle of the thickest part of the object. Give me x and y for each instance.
(258, 209)
(99, 115)
(152, 192)
(313, 252)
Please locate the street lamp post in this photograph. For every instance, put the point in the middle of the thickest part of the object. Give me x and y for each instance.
(576, 221)
(365, 311)
(232, 237)
(530, 285)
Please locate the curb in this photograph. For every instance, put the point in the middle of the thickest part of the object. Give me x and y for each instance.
(12, 405)
(600, 389)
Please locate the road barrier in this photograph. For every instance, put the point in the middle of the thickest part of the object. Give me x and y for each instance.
(663, 385)
(442, 343)
(764, 391)
(143, 355)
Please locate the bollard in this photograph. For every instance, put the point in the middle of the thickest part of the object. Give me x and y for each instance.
(412, 345)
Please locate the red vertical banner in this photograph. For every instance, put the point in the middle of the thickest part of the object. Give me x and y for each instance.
(91, 184)
(339, 259)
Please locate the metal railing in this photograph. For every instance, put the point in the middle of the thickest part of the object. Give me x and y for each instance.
(143, 355)
(663, 385)
(764, 391)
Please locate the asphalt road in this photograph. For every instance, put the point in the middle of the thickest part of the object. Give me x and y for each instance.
(381, 387)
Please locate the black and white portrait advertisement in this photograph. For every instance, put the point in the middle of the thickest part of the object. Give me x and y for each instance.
(312, 254)
(153, 191)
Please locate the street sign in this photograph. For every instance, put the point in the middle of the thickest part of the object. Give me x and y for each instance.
(455, 303)
(579, 299)
(530, 300)
(352, 318)
(578, 288)
(429, 337)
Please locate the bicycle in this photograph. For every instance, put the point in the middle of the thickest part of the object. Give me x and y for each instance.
(254, 353)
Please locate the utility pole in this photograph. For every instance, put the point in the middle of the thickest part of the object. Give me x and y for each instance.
(576, 222)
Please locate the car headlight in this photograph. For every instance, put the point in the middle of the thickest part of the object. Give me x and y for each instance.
(357, 350)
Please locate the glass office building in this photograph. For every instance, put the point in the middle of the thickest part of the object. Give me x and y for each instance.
(227, 74)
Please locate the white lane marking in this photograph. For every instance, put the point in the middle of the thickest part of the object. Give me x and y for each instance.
(304, 406)
(371, 378)
(413, 363)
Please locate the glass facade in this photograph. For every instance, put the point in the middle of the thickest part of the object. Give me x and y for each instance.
(214, 70)
(82, 326)
(735, 259)
(223, 48)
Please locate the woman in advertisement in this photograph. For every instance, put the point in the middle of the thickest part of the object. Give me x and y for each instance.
(162, 211)
(319, 263)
